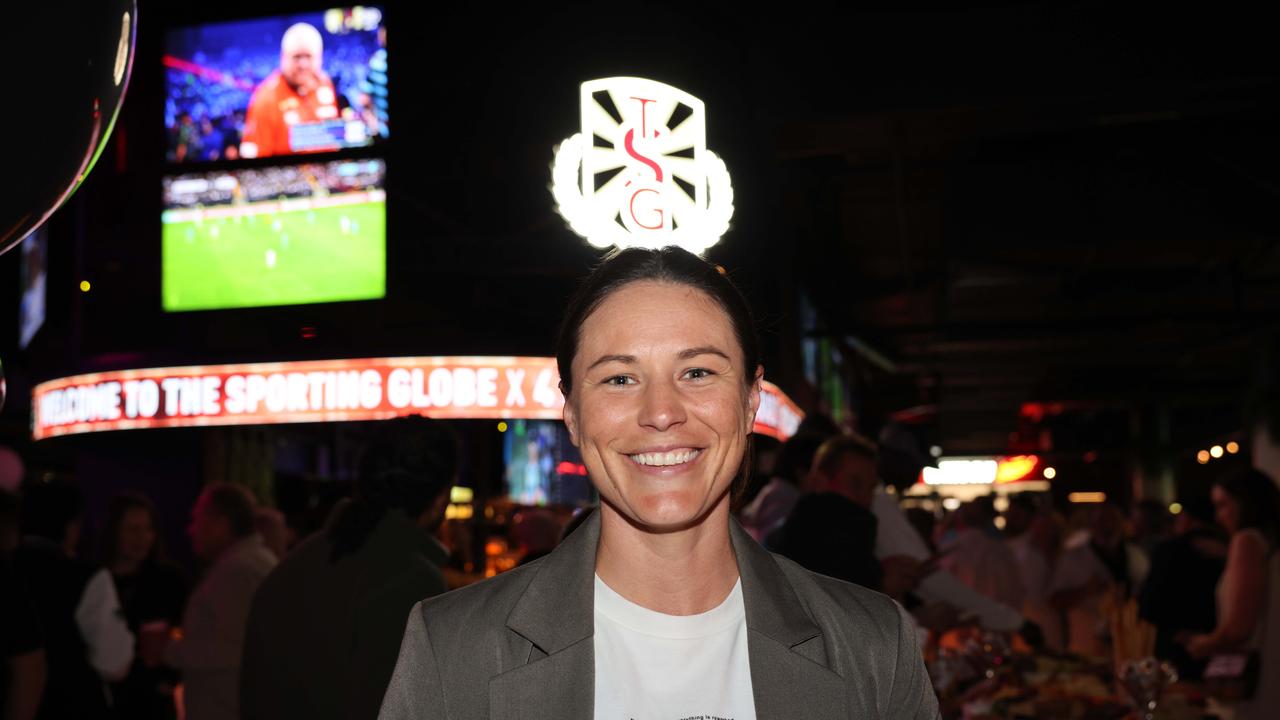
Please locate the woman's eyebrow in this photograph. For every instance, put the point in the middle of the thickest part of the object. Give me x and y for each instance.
(626, 359)
(702, 350)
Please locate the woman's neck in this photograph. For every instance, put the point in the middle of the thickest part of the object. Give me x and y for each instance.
(685, 572)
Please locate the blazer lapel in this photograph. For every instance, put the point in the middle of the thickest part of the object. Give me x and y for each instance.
(789, 675)
(555, 614)
(556, 687)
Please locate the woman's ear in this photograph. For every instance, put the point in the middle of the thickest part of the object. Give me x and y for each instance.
(753, 398)
(571, 420)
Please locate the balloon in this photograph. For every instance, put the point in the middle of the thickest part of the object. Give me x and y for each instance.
(67, 67)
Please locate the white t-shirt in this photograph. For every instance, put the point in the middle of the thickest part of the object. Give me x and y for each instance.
(651, 666)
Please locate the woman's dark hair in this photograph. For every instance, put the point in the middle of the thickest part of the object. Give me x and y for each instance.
(668, 265)
(1258, 500)
(406, 465)
(671, 265)
(121, 503)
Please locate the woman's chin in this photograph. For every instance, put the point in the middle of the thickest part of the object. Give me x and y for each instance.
(665, 513)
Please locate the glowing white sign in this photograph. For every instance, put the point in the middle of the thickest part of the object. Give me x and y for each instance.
(639, 174)
(961, 472)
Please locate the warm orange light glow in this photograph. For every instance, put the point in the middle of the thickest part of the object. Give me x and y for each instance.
(1216, 451)
(1233, 447)
(1087, 497)
(1050, 473)
(1013, 469)
(1202, 457)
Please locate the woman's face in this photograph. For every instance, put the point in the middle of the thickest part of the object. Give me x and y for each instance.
(661, 405)
(1226, 509)
(137, 535)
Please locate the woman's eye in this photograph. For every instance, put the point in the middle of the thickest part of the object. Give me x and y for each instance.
(698, 373)
(618, 380)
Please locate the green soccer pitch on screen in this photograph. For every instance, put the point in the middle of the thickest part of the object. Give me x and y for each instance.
(280, 235)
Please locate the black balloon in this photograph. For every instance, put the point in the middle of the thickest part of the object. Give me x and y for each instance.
(67, 66)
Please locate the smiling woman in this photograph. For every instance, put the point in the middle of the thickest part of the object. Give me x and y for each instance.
(660, 605)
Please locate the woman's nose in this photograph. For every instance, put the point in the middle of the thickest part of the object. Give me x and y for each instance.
(661, 406)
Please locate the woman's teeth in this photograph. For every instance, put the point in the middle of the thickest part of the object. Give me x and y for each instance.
(660, 459)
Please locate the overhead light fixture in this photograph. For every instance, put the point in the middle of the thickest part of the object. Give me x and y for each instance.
(1050, 473)
(1216, 451)
(1202, 457)
(1087, 497)
(1233, 447)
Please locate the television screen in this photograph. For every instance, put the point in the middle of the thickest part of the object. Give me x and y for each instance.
(282, 85)
(307, 233)
(543, 466)
(33, 271)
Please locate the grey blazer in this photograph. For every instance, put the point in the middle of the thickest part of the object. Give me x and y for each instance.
(520, 645)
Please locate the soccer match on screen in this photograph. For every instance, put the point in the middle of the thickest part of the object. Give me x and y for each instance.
(308, 233)
(309, 82)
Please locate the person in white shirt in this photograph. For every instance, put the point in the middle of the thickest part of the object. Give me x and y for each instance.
(660, 606)
(978, 557)
(895, 536)
(211, 645)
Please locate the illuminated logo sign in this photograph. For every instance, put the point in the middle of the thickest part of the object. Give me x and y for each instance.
(639, 174)
(323, 391)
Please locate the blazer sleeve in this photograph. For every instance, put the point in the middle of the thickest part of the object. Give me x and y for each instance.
(415, 688)
(912, 696)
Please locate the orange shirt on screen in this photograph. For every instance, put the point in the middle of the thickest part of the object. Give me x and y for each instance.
(275, 107)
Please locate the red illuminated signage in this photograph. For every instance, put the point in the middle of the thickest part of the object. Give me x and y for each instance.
(323, 391)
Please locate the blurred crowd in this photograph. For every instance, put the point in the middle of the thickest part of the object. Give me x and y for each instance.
(276, 622)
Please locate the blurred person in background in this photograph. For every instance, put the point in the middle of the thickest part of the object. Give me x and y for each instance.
(1247, 504)
(1150, 524)
(1178, 597)
(152, 593)
(325, 626)
(769, 509)
(831, 529)
(1035, 538)
(977, 556)
(87, 643)
(1100, 561)
(210, 646)
(897, 538)
(22, 658)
